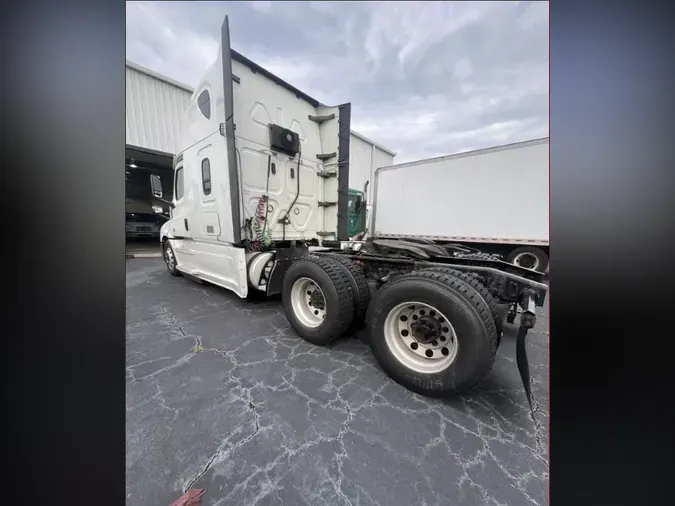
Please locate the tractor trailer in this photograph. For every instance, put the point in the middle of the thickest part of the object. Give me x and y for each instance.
(472, 199)
(260, 205)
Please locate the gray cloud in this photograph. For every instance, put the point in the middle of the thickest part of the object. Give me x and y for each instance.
(424, 78)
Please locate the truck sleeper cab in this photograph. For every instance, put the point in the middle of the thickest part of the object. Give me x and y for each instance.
(261, 203)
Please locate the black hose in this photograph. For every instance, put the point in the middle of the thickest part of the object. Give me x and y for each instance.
(297, 194)
(267, 190)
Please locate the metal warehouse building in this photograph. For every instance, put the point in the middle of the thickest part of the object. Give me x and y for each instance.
(154, 107)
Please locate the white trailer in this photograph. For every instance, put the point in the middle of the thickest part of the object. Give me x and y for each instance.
(259, 205)
(495, 200)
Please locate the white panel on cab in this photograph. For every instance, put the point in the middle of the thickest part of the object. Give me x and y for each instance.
(259, 102)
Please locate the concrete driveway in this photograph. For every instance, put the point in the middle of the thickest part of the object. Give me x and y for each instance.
(222, 395)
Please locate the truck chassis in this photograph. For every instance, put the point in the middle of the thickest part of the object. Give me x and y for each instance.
(431, 314)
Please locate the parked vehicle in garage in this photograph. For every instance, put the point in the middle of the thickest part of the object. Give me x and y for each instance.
(264, 207)
(141, 219)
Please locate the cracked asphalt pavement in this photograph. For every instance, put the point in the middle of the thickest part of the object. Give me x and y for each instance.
(221, 394)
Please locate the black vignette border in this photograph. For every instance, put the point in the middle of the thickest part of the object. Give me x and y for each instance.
(63, 115)
(612, 179)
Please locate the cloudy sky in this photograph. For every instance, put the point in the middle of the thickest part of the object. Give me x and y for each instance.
(424, 78)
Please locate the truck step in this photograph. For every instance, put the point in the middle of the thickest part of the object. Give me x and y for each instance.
(326, 156)
(327, 204)
(324, 234)
(321, 119)
(334, 164)
(325, 174)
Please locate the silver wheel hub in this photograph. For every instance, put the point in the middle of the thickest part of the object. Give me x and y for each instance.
(527, 260)
(168, 258)
(420, 337)
(308, 302)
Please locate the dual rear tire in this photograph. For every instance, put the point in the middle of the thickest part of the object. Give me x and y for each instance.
(318, 299)
(454, 339)
(431, 331)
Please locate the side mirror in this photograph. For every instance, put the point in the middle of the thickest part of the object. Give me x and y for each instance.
(156, 185)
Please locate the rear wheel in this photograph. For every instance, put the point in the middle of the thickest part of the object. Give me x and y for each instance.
(317, 300)
(474, 282)
(529, 257)
(432, 333)
(360, 290)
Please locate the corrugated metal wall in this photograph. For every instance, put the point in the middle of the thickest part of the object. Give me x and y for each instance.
(382, 159)
(154, 109)
(364, 158)
(360, 162)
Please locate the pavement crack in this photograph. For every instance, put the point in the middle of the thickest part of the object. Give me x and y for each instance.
(177, 363)
(342, 455)
(221, 452)
(224, 449)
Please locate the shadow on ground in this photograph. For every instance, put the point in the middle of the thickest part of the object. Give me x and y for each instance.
(222, 395)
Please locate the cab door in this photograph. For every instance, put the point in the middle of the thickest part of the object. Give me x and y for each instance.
(179, 224)
(356, 210)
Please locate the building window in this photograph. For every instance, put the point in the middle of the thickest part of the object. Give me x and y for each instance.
(204, 103)
(179, 184)
(206, 176)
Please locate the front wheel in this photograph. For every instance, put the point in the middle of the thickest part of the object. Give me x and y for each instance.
(432, 333)
(170, 259)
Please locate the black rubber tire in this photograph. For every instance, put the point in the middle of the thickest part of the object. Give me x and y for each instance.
(360, 290)
(480, 256)
(537, 252)
(173, 271)
(331, 278)
(469, 315)
(476, 284)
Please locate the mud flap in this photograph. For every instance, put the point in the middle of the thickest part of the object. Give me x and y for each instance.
(523, 364)
(528, 319)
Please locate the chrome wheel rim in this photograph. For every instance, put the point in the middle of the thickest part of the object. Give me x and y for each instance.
(169, 258)
(308, 302)
(527, 260)
(427, 354)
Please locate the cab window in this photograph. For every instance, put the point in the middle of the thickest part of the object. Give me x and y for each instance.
(179, 184)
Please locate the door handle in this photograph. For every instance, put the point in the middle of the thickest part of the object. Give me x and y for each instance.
(186, 224)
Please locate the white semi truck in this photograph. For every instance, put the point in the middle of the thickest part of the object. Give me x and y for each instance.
(472, 199)
(259, 205)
